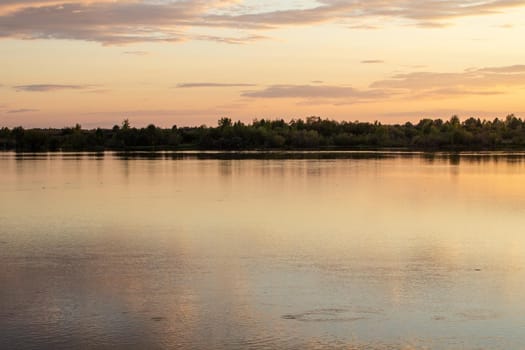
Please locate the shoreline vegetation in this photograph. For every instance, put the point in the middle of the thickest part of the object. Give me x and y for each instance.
(313, 134)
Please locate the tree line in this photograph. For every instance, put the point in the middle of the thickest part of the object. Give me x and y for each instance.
(311, 133)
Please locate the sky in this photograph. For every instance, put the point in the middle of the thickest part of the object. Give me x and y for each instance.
(184, 62)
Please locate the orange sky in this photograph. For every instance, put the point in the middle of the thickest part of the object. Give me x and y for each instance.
(97, 62)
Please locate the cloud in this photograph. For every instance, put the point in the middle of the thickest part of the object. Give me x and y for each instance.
(230, 40)
(211, 85)
(486, 81)
(112, 22)
(50, 87)
(449, 92)
(22, 110)
(477, 81)
(109, 23)
(421, 12)
(364, 27)
(136, 53)
(115, 22)
(518, 68)
(319, 94)
(372, 61)
(10, 6)
(482, 78)
(431, 24)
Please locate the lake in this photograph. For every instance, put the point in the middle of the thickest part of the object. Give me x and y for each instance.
(350, 250)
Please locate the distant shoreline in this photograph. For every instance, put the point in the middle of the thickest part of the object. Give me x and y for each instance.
(312, 134)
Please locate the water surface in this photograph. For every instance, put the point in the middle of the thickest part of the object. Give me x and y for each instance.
(202, 251)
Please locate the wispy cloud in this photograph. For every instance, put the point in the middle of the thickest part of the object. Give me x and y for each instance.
(372, 61)
(22, 110)
(479, 81)
(212, 85)
(364, 27)
(7, 6)
(50, 87)
(450, 92)
(128, 21)
(432, 24)
(136, 53)
(113, 22)
(489, 77)
(421, 12)
(231, 40)
(319, 94)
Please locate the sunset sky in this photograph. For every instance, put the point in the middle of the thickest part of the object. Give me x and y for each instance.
(97, 62)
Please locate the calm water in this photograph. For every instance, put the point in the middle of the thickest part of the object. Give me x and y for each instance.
(381, 251)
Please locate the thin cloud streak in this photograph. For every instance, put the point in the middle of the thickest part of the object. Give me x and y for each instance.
(319, 94)
(211, 85)
(231, 40)
(364, 27)
(22, 110)
(136, 53)
(372, 61)
(50, 87)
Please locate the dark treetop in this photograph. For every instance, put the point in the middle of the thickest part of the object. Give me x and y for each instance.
(312, 133)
